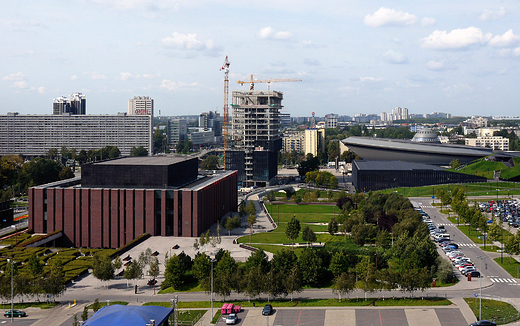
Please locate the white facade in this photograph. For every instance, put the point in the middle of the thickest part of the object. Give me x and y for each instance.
(331, 121)
(314, 141)
(293, 142)
(34, 135)
(140, 105)
(202, 138)
(496, 142)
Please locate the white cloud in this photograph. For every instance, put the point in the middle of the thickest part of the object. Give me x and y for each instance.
(41, 90)
(152, 5)
(435, 65)
(171, 85)
(458, 89)
(508, 39)
(428, 21)
(125, 75)
(391, 56)
(73, 77)
(269, 33)
(20, 84)
(389, 17)
(95, 75)
(311, 62)
(370, 79)
(186, 42)
(516, 51)
(493, 14)
(17, 76)
(456, 39)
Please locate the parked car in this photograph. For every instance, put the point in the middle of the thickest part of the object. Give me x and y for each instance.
(484, 322)
(268, 309)
(14, 313)
(474, 274)
(231, 319)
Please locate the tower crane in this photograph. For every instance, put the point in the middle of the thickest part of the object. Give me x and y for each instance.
(225, 67)
(252, 81)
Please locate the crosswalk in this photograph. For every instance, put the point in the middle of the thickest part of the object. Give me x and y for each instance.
(467, 245)
(446, 224)
(496, 279)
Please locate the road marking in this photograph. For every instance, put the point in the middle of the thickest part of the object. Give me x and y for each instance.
(496, 279)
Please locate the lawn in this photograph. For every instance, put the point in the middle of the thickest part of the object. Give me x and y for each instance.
(314, 303)
(490, 248)
(510, 264)
(296, 209)
(471, 189)
(474, 235)
(23, 305)
(498, 311)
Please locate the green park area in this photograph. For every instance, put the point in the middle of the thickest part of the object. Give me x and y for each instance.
(498, 311)
(485, 189)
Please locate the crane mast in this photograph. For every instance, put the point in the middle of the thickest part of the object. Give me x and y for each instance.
(225, 67)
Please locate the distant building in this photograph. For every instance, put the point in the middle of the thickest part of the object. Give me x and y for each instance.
(365, 118)
(140, 105)
(438, 115)
(399, 113)
(285, 120)
(314, 141)
(202, 138)
(177, 131)
(75, 104)
(497, 143)
(210, 121)
(293, 141)
(33, 135)
(331, 121)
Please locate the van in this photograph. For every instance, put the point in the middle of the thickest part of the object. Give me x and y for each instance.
(444, 236)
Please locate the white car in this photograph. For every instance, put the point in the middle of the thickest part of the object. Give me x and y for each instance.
(231, 319)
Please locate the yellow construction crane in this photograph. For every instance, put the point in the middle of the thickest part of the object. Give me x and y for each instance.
(225, 67)
(252, 81)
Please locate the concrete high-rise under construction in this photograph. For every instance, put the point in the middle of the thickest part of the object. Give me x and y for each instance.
(255, 136)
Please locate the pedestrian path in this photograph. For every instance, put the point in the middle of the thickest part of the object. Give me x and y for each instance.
(496, 279)
(446, 224)
(473, 245)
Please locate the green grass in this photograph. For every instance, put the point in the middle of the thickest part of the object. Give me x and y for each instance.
(473, 234)
(190, 287)
(303, 209)
(482, 168)
(490, 248)
(493, 310)
(104, 303)
(274, 249)
(471, 189)
(216, 317)
(42, 305)
(510, 264)
(190, 316)
(314, 303)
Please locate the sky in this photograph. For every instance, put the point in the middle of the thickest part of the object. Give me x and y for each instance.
(460, 57)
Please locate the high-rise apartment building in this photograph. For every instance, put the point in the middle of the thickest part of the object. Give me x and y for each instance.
(256, 136)
(399, 113)
(140, 105)
(33, 135)
(314, 141)
(294, 141)
(285, 120)
(74, 104)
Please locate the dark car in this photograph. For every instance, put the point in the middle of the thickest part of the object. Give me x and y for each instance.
(268, 309)
(474, 274)
(15, 313)
(484, 322)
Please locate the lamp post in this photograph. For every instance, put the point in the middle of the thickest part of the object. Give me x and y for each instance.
(480, 294)
(212, 315)
(11, 261)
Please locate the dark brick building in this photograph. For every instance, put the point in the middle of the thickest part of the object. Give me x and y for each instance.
(116, 201)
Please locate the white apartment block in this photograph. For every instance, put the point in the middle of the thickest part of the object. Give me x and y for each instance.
(140, 105)
(331, 121)
(496, 142)
(33, 135)
(293, 142)
(314, 141)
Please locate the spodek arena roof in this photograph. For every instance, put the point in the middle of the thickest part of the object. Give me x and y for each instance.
(115, 315)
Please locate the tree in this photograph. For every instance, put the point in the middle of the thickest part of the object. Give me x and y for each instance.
(251, 220)
(153, 270)
(293, 229)
(494, 231)
(455, 163)
(84, 314)
(66, 173)
(75, 321)
(35, 266)
(174, 273)
(209, 163)
(292, 281)
(103, 269)
(311, 266)
(343, 284)
(201, 266)
(160, 142)
(229, 225)
(225, 275)
(96, 306)
(139, 151)
(308, 235)
(52, 154)
(118, 263)
(257, 259)
(188, 145)
(332, 228)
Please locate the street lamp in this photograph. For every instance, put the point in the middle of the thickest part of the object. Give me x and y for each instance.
(212, 261)
(11, 261)
(480, 295)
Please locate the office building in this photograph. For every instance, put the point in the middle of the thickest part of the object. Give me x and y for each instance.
(177, 131)
(314, 141)
(285, 120)
(116, 201)
(75, 104)
(331, 121)
(256, 136)
(293, 141)
(210, 121)
(140, 105)
(34, 135)
(201, 138)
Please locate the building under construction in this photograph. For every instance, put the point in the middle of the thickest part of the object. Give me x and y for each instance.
(255, 136)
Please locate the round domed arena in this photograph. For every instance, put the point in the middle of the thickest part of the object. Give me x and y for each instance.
(425, 135)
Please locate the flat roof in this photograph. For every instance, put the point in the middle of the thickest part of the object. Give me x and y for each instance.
(395, 165)
(146, 160)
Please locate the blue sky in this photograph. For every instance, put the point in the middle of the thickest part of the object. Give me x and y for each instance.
(353, 57)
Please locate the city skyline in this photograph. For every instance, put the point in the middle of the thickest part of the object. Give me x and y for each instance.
(353, 57)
